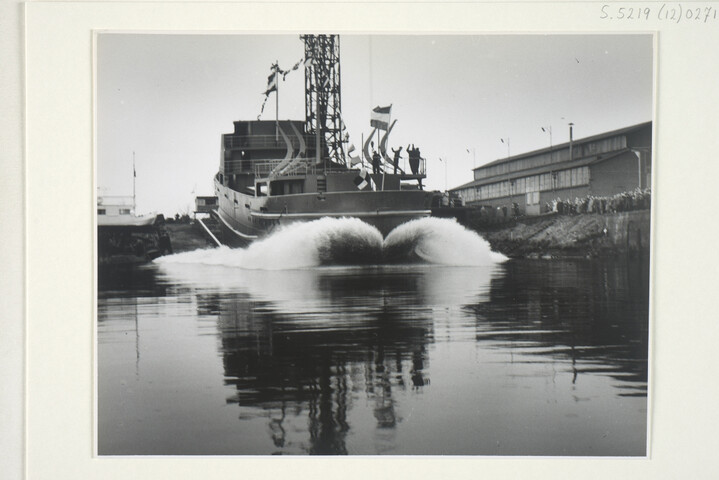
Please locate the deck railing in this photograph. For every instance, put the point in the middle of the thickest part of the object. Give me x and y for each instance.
(264, 141)
(262, 169)
(304, 167)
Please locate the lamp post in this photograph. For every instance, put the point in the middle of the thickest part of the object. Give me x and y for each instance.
(508, 180)
(549, 130)
(445, 172)
(134, 180)
(511, 197)
(507, 142)
(474, 157)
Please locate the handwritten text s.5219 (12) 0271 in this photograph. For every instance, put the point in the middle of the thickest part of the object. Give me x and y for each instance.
(665, 12)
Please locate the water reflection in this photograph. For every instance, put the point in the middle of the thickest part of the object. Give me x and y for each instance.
(343, 360)
(118, 281)
(593, 313)
(312, 340)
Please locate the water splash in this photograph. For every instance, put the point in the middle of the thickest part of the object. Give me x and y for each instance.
(439, 241)
(327, 241)
(349, 241)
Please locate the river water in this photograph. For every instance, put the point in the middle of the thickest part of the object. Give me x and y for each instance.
(282, 349)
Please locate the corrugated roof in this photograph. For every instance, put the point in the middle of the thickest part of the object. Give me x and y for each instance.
(580, 162)
(562, 146)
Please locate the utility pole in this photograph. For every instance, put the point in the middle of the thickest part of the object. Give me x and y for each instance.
(549, 130)
(445, 161)
(134, 177)
(509, 181)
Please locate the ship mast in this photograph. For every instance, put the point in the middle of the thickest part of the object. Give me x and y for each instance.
(323, 96)
(277, 100)
(134, 179)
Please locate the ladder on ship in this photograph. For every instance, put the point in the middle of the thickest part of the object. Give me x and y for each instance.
(321, 184)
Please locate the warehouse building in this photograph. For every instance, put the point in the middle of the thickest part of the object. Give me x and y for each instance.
(601, 165)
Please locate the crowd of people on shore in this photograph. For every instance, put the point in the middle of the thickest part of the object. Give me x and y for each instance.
(637, 199)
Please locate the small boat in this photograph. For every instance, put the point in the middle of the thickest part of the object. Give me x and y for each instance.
(275, 172)
(124, 239)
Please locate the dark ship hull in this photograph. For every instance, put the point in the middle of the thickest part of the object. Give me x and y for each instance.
(245, 217)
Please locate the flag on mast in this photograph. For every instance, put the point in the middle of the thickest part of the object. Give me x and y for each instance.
(271, 83)
(380, 117)
(272, 80)
(363, 179)
(354, 160)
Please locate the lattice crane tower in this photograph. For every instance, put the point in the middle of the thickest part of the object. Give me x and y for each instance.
(323, 95)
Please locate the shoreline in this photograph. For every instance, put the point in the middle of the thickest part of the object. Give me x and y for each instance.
(573, 235)
(546, 236)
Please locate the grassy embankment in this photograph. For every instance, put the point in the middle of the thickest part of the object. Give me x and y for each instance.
(187, 236)
(580, 235)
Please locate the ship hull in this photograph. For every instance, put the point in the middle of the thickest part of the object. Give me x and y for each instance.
(245, 218)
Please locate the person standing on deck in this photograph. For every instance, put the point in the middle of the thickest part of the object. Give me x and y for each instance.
(413, 159)
(376, 159)
(396, 158)
(414, 162)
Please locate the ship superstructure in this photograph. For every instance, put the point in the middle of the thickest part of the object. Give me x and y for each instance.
(273, 172)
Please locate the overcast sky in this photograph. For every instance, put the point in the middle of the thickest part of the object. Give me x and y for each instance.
(168, 98)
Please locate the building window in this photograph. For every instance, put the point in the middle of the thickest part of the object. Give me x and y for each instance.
(545, 181)
(124, 211)
(101, 211)
(534, 184)
(565, 179)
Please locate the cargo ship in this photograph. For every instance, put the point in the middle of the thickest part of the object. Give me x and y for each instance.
(275, 172)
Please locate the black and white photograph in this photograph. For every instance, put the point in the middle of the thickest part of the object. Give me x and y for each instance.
(289, 239)
(386, 244)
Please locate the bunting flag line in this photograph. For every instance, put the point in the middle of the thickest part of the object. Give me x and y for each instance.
(363, 179)
(294, 67)
(354, 160)
(342, 121)
(272, 81)
(264, 102)
(380, 117)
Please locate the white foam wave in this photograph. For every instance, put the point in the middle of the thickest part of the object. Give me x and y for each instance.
(298, 245)
(443, 241)
(349, 241)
